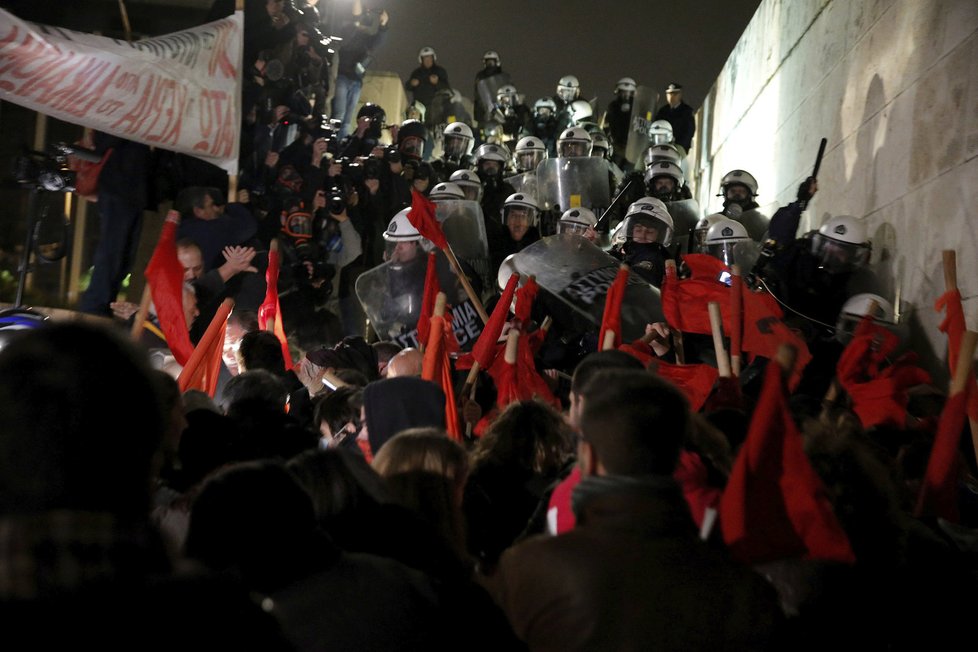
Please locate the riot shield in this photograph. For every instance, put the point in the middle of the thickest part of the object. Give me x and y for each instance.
(685, 214)
(525, 183)
(643, 112)
(465, 230)
(486, 91)
(576, 275)
(564, 183)
(391, 297)
(756, 224)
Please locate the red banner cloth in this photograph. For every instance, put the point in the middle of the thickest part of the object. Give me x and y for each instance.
(164, 273)
(775, 505)
(611, 319)
(422, 217)
(270, 308)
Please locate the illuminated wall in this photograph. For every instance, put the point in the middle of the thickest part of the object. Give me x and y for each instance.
(894, 88)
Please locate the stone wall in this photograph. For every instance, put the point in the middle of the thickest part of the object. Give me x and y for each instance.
(893, 86)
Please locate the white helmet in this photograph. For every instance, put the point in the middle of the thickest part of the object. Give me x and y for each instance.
(491, 55)
(742, 177)
(842, 244)
(858, 306)
(664, 169)
(457, 140)
(600, 144)
(491, 152)
(653, 215)
(521, 200)
(427, 52)
(580, 111)
(702, 228)
(575, 141)
(625, 84)
(577, 221)
(400, 229)
(721, 238)
(469, 182)
(662, 152)
(446, 190)
(507, 95)
(660, 131)
(545, 103)
(568, 88)
(530, 150)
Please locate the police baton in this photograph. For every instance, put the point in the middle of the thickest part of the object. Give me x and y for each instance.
(613, 202)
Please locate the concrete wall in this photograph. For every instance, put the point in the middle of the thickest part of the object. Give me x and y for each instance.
(893, 85)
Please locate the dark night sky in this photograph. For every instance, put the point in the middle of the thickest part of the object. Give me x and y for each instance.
(686, 41)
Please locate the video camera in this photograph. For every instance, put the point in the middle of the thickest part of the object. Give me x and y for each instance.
(50, 169)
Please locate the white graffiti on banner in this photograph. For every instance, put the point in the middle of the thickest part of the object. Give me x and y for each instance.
(465, 322)
(589, 287)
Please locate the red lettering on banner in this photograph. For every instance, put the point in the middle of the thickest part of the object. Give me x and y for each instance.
(9, 37)
(132, 117)
(219, 53)
(217, 118)
(83, 101)
(175, 100)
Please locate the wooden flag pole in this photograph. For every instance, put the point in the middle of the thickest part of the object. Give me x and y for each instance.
(270, 321)
(716, 325)
(736, 318)
(469, 290)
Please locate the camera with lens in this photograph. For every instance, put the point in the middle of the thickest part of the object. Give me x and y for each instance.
(392, 154)
(50, 169)
(336, 199)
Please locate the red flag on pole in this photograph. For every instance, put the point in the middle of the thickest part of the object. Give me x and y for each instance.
(685, 301)
(270, 312)
(695, 380)
(164, 274)
(431, 290)
(436, 366)
(764, 332)
(204, 365)
(484, 349)
(954, 325)
(422, 217)
(611, 318)
(775, 505)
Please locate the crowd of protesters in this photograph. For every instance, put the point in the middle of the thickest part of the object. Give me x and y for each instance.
(783, 476)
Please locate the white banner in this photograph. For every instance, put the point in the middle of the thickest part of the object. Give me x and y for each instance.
(180, 92)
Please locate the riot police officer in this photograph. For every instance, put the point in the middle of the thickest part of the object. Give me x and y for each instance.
(643, 239)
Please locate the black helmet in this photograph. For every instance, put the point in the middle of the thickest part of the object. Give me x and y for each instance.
(411, 138)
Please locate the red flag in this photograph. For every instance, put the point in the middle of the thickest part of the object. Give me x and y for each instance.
(525, 296)
(695, 380)
(164, 273)
(878, 397)
(431, 289)
(270, 308)
(685, 301)
(775, 505)
(939, 489)
(531, 383)
(204, 365)
(437, 369)
(422, 217)
(484, 350)
(611, 319)
(764, 332)
(954, 326)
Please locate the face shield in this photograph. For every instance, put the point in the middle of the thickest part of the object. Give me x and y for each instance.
(723, 251)
(566, 94)
(519, 219)
(837, 257)
(473, 191)
(530, 159)
(489, 168)
(661, 187)
(576, 228)
(400, 253)
(646, 229)
(624, 95)
(660, 138)
(455, 146)
(412, 146)
(572, 148)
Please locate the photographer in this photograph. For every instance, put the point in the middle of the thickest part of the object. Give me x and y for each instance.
(363, 30)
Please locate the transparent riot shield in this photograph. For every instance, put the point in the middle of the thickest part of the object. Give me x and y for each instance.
(685, 214)
(486, 90)
(643, 112)
(465, 230)
(756, 224)
(564, 183)
(525, 183)
(391, 297)
(576, 275)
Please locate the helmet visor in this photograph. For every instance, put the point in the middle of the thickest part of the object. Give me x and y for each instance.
(838, 257)
(723, 251)
(456, 146)
(645, 229)
(566, 93)
(530, 159)
(569, 149)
